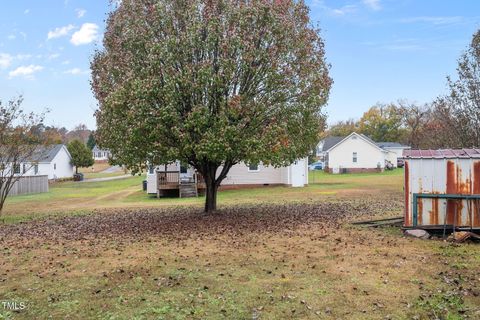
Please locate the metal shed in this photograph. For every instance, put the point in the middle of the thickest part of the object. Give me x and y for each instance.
(442, 189)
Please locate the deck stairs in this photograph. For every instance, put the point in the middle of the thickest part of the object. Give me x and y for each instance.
(188, 190)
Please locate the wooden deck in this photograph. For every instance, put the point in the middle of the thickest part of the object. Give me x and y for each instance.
(172, 180)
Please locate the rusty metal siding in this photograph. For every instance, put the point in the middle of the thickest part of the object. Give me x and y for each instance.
(457, 176)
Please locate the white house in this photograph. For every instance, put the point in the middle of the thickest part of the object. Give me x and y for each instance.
(358, 153)
(395, 147)
(100, 154)
(325, 144)
(53, 161)
(240, 175)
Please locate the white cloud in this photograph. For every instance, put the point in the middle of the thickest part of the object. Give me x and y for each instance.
(27, 11)
(87, 33)
(76, 71)
(336, 12)
(11, 37)
(373, 4)
(66, 62)
(5, 60)
(80, 12)
(25, 71)
(344, 10)
(60, 32)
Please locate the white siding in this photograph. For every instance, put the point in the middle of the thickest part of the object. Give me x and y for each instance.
(64, 168)
(239, 174)
(368, 155)
(392, 157)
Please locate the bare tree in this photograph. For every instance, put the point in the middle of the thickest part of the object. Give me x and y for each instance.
(415, 118)
(459, 111)
(19, 142)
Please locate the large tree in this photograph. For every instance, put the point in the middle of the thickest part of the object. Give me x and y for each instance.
(81, 155)
(20, 141)
(91, 141)
(382, 123)
(210, 82)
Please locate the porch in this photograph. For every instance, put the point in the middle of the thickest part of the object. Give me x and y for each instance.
(187, 185)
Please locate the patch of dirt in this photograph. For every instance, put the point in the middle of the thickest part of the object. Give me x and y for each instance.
(184, 223)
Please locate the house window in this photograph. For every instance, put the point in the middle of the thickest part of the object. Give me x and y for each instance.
(354, 157)
(183, 168)
(16, 168)
(99, 155)
(24, 168)
(35, 169)
(150, 169)
(253, 168)
(54, 166)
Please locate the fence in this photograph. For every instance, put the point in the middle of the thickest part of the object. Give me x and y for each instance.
(30, 184)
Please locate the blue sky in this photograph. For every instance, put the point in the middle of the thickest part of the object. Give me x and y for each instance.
(380, 51)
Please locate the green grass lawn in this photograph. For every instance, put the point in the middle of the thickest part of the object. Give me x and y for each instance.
(319, 176)
(73, 197)
(209, 267)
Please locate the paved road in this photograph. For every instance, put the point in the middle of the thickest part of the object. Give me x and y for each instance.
(107, 178)
(112, 169)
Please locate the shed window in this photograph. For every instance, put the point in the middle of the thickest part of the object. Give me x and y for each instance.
(355, 157)
(16, 168)
(54, 166)
(150, 169)
(253, 167)
(35, 169)
(24, 168)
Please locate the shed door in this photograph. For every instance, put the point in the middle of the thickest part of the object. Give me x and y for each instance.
(298, 173)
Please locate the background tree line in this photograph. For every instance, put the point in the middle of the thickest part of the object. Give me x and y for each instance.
(450, 121)
(61, 135)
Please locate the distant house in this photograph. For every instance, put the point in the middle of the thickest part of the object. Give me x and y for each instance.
(358, 153)
(100, 154)
(53, 161)
(395, 147)
(325, 144)
(174, 177)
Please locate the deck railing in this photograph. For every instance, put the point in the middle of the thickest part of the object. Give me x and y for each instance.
(168, 177)
(172, 179)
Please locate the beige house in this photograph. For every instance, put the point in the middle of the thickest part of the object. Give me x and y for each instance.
(184, 178)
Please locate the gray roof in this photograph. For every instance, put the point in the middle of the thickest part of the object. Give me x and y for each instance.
(47, 153)
(329, 142)
(391, 145)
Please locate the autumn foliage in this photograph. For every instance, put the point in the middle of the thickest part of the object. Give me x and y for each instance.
(210, 83)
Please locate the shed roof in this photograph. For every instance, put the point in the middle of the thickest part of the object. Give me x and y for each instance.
(441, 154)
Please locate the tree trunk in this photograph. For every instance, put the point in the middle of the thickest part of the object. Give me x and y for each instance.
(211, 195)
(212, 182)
